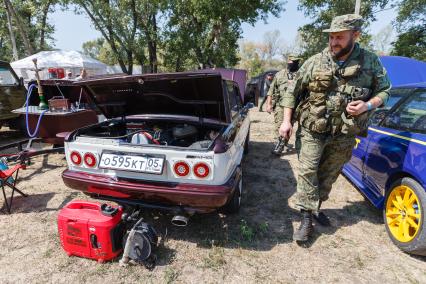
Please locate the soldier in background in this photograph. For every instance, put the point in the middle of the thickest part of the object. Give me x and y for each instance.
(278, 87)
(266, 87)
(338, 89)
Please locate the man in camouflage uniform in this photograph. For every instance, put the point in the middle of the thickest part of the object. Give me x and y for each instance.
(338, 89)
(278, 87)
(266, 86)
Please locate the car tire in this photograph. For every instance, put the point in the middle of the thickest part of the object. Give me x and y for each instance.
(246, 143)
(234, 205)
(404, 215)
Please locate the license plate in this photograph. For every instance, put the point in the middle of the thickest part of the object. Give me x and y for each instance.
(144, 164)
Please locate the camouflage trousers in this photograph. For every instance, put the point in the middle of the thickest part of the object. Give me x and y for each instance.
(321, 159)
(278, 119)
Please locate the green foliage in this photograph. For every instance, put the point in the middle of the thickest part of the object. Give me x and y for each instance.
(247, 232)
(93, 48)
(323, 11)
(100, 50)
(256, 57)
(205, 33)
(117, 21)
(173, 35)
(411, 23)
(33, 15)
(5, 45)
(411, 43)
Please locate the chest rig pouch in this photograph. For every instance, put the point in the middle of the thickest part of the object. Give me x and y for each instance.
(330, 92)
(313, 111)
(351, 89)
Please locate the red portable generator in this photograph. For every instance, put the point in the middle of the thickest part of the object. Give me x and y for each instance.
(91, 230)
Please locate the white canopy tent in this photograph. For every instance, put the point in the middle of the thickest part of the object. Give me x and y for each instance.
(70, 61)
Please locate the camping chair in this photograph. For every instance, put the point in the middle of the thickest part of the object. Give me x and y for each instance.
(8, 180)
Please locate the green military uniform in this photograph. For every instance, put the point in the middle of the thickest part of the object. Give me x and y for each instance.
(278, 86)
(277, 89)
(325, 86)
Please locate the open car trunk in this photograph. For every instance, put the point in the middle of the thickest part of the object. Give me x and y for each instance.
(154, 131)
(179, 110)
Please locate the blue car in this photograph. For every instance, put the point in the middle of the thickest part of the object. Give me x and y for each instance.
(389, 166)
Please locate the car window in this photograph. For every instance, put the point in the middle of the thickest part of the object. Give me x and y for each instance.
(394, 97)
(410, 115)
(238, 96)
(6, 77)
(235, 102)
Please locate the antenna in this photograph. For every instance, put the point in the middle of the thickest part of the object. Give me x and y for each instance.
(357, 6)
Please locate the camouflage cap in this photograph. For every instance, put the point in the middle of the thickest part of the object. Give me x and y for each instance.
(293, 57)
(349, 22)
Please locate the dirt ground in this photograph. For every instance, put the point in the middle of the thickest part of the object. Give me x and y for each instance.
(254, 246)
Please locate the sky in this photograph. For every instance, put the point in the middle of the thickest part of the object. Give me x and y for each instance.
(72, 30)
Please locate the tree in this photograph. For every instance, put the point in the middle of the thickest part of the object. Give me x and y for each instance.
(258, 57)
(28, 29)
(272, 44)
(323, 11)
(11, 33)
(29, 48)
(381, 42)
(180, 34)
(117, 22)
(411, 25)
(206, 32)
(100, 50)
(250, 58)
(147, 12)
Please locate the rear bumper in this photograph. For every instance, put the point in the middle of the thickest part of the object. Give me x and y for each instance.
(183, 196)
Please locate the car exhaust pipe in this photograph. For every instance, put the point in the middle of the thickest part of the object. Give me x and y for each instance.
(180, 220)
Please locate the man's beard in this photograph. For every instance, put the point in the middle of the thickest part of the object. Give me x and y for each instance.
(345, 50)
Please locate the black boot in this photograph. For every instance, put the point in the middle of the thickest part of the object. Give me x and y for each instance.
(321, 218)
(305, 229)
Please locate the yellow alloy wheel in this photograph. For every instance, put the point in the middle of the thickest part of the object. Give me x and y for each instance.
(403, 213)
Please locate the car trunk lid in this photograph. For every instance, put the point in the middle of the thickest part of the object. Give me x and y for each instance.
(193, 94)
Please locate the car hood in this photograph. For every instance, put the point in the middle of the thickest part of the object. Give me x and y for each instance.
(193, 94)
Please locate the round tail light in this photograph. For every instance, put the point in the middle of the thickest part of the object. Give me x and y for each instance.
(181, 169)
(201, 170)
(75, 158)
(90, 160)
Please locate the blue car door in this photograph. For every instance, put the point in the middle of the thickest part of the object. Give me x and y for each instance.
(389, 143)
(356, 166)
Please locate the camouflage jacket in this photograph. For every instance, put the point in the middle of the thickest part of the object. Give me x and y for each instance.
(377, 80)
(329, 86)
(279, 85)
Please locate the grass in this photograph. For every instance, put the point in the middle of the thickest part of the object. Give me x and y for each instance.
(48, 253)
(170, 275)
(264, 227)
(247, 232)
(215, 259)
(359, 262)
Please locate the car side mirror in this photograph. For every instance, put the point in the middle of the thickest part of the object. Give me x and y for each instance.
(393, 119)
(246, 108)
(378, 116)
(249, 105)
